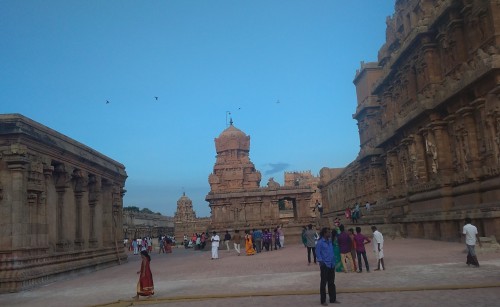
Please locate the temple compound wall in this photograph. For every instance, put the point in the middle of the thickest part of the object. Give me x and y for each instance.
(429, 122)
(61, 206)
(140, 225)
(238, 202)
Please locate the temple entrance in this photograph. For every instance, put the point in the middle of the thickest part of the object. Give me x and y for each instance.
(287, 208)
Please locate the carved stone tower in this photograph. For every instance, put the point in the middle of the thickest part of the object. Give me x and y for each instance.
(233, 169)
(185, 212)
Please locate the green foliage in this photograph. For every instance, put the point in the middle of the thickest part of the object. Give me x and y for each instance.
(146, 210)
(132, 208)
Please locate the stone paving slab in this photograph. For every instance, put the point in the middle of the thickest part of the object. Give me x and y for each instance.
(412, 264)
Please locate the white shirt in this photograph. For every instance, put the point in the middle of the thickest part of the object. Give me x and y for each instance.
(470, 232)
(215, 241)
(378, 238)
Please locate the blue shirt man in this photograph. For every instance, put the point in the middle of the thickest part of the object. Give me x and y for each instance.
(326, 259)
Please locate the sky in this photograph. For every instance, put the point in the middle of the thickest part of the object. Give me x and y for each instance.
(282, 69)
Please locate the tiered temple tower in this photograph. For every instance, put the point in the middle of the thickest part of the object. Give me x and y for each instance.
(186, 221)
(233, 169)
(236, 198)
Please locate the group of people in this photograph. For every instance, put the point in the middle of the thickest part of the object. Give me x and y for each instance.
(197, 240)
(138, 245)
(336, 249)
(255, 240)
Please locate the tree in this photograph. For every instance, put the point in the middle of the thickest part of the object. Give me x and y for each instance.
(146, 210)
(131, 208)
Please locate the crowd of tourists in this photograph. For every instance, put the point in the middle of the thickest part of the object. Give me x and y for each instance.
(335, 250)
(254, 241)
(138, 245)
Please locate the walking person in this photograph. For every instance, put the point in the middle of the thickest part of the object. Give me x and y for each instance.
(135, 246)
(378, 248)
(145, 285)
(227, 238)
(282, 236)
(471, 237)
(237, 241)
(215, 245)
(309, 236)
(326, 260)
(248, 244)
(361, 240)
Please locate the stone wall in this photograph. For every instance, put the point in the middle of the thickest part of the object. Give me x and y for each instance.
(61, 206)
(429, 123)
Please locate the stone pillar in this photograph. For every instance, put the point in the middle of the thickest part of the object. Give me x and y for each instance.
(442, 140)
(61, 183)
(94, 196)
(471, 148)
(17, 163)
(78, 190)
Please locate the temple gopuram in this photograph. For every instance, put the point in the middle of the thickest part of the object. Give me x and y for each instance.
(185, 220)
(428, 114)
(238, 202)
(61, 206)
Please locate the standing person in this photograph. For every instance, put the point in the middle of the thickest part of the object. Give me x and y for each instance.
(215, 245)
(318, 206)
(162, 246)
(257, 239)
(227, 238)
(368, 207)
(345, 249)
(471, 237)
(282, 236)
(267, 239)
(135, 246)
(310, 235)
(249, 244)
(378, 248)
(276, 239)
(145, 286)
(339, 266)
(203, 240)
(303, 235)
(353, 248)
(361, 240)
(326, 260)
(237, 241)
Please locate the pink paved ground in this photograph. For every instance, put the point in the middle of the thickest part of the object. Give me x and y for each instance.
(286, 280)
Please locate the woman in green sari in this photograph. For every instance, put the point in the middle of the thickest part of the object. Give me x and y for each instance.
(336, 251)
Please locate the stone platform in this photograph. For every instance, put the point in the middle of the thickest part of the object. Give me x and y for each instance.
(418, 273)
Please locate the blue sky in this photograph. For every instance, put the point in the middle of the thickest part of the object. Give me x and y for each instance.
(60, 61)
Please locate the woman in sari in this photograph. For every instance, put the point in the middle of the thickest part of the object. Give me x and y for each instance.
(145, 286)
(336, 251)
(249, 244)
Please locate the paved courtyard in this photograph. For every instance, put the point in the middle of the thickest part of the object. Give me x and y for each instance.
(418, 273)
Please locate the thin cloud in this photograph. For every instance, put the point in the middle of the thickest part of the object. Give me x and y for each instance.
(276, 168)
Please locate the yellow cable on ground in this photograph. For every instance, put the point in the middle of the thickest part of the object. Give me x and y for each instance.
(183, 298)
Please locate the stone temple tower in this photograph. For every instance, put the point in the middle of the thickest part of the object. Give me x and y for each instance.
(233, 169)
(185, 212)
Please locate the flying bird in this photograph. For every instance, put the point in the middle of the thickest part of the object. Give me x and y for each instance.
(107, 101)
(156, 97)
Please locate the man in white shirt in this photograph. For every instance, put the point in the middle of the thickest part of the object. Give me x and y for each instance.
(471, 237)
(378, 248)
(215, 245)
